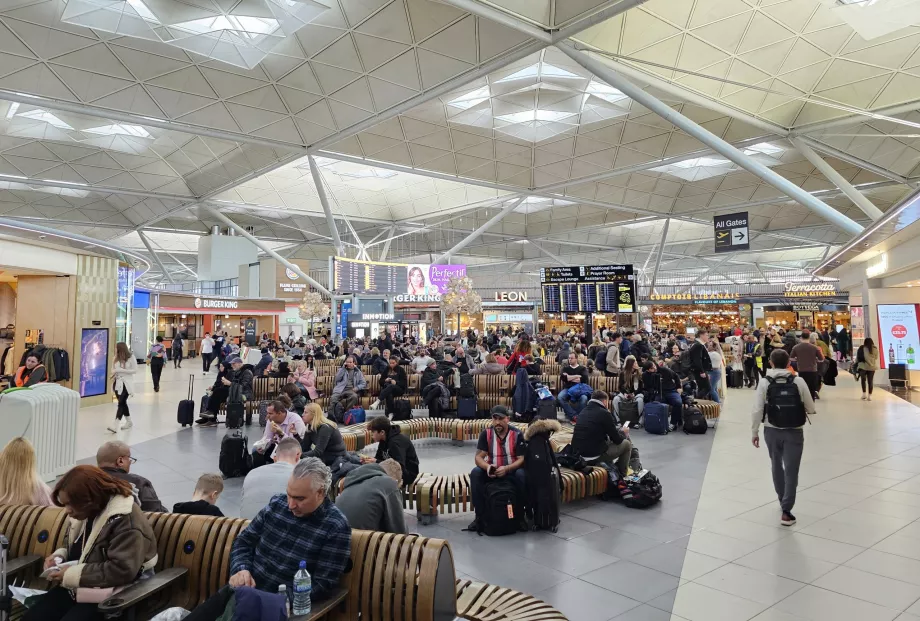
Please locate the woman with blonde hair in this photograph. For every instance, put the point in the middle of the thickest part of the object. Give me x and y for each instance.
(323, 438)
(19, 481)
(123, 370)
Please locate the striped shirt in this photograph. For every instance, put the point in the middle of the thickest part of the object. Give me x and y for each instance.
(501, 451)
(275, 542)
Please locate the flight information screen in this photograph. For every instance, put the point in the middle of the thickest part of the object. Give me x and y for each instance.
(589, 288)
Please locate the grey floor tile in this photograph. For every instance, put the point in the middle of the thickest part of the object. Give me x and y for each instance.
(632, 580)
(581, 601)
(616, 542)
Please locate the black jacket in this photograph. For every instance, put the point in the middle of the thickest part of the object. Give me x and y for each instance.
(380, 365)
(429, 377)
(665, 379)
(325, 443)
(400, 448)
(146, 496)
(197, 507)
(699, 358)
(595, 427)
(402, 380)
(641, 350)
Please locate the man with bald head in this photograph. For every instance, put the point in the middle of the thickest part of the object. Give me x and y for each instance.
(115, 458)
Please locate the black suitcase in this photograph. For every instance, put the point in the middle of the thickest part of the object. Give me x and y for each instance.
(546, 408)
(730, 377)
(402, 410)
(466, 408)
(235, 460)
(738, 378)
(629, 411)
(544, 483)
(235, 413)
(186, 414)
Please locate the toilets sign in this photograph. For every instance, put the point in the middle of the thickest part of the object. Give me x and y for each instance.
(731, 232)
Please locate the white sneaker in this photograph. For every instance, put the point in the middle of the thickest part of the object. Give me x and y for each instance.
(128, 424)
(864, 397)
(869, 398)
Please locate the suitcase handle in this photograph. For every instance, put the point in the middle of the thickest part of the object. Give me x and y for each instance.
(191, 386)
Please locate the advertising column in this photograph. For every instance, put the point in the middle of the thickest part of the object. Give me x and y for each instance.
(899, 335)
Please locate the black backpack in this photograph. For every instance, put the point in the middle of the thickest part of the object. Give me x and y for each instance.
(600, 360)
(640, 491)
(504, 510)
(784, 407)
(467, 390)
(694, 421)
(571, 459)
(544, 483)
(235, 459)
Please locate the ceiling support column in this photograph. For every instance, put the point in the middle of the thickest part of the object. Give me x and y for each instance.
(548, 253)
(485, 227)
(664, 237)
(386, 244)
(617, 81)
(156, 259)
(837, 179)
(330, 219)
(242, 231)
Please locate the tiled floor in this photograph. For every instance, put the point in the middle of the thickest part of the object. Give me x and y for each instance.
(712, 550)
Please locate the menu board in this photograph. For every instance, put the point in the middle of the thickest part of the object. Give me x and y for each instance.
(589, 288)
(899, 335)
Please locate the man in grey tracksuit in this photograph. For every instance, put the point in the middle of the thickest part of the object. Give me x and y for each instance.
(784, 445)
(372, 498)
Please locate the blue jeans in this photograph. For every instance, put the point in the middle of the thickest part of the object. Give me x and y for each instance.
(677, 406)
(715, 380)
(566, 404)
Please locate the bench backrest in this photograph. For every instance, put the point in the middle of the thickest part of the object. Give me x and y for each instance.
(392, 576)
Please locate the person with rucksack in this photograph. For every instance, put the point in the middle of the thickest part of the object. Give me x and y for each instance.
(612, 364)
(499, 459)
(597, 437)
(662, 384)
(782, 406)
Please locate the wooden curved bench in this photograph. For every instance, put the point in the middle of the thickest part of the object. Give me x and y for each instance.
(392, 576)
(485, 602)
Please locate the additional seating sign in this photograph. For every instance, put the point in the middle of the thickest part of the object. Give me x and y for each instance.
(731, 232)
(589, 288)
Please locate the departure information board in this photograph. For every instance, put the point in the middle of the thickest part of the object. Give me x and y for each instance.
(589, 289)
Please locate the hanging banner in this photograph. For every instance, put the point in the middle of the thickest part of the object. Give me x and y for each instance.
(731, 232)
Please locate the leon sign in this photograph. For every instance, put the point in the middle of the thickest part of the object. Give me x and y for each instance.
(510, 296)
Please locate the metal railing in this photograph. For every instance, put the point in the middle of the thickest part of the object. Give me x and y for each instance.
(225, 288)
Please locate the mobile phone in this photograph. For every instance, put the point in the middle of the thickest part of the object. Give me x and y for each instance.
(491, 469)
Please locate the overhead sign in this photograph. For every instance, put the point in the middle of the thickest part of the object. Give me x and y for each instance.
(209, 303)
(589, 289)
(731, 232)
(809, 290)
(288, 283)
(404, 280)
(510, 296)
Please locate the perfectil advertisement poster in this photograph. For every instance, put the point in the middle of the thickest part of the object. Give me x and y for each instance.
(899, 335)
(426, 279)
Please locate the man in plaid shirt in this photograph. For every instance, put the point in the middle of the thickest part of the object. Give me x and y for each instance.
(303, 525)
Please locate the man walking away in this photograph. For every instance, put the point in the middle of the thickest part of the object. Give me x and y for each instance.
(806, 358)
(782, 405)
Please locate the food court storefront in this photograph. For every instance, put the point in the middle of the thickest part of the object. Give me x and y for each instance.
(716, 312)
(193, 316)
(804, 306)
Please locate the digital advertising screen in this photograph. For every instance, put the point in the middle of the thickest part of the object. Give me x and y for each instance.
(588, 289)
(374, 277)
(898, 335)
(94, 361)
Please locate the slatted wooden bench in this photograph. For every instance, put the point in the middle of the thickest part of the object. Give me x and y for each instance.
(399, 577)
(485, 602)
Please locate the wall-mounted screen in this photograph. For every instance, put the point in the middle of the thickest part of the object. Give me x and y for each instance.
(898, 335)
(94, 361)
(589, 289)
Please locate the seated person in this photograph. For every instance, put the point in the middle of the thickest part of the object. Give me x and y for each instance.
(348, 385)
(31, 373)
(433, 386)
(114, 458)
(100, 509)
(372, 497)
(301, 525)
(264, 364)
(382, 362)
(571, 375)
(662, 381)
(499, 454)
(393, 383)
(629, 388)
(392, 444)
(233, 371)
(597, 437)
(489, 367)
(323, 438)
(261, 484)
(280, 424)
(204, 500)
(298, 400)
(420, 362)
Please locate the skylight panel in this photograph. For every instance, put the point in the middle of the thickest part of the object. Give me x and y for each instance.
(42, 115)
(473, 98)
(119, 129)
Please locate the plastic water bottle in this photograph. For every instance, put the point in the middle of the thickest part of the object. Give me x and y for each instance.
(282, 590)
(302, 589)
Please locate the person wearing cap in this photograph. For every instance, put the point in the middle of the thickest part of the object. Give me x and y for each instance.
(499, 454)
(430, 388)
(233, 371)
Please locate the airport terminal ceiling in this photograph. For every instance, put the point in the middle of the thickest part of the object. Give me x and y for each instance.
(432, 122)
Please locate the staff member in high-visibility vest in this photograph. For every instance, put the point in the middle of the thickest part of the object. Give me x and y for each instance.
(32, 373)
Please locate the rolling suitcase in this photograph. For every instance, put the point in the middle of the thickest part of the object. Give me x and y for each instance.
(466, 408)
(186, 414)
(235, 460)
(730, 377)
(656, 417)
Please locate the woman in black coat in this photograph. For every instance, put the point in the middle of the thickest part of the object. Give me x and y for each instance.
(393, 383)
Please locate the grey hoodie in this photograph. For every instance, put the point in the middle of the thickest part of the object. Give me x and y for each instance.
(372, 500)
